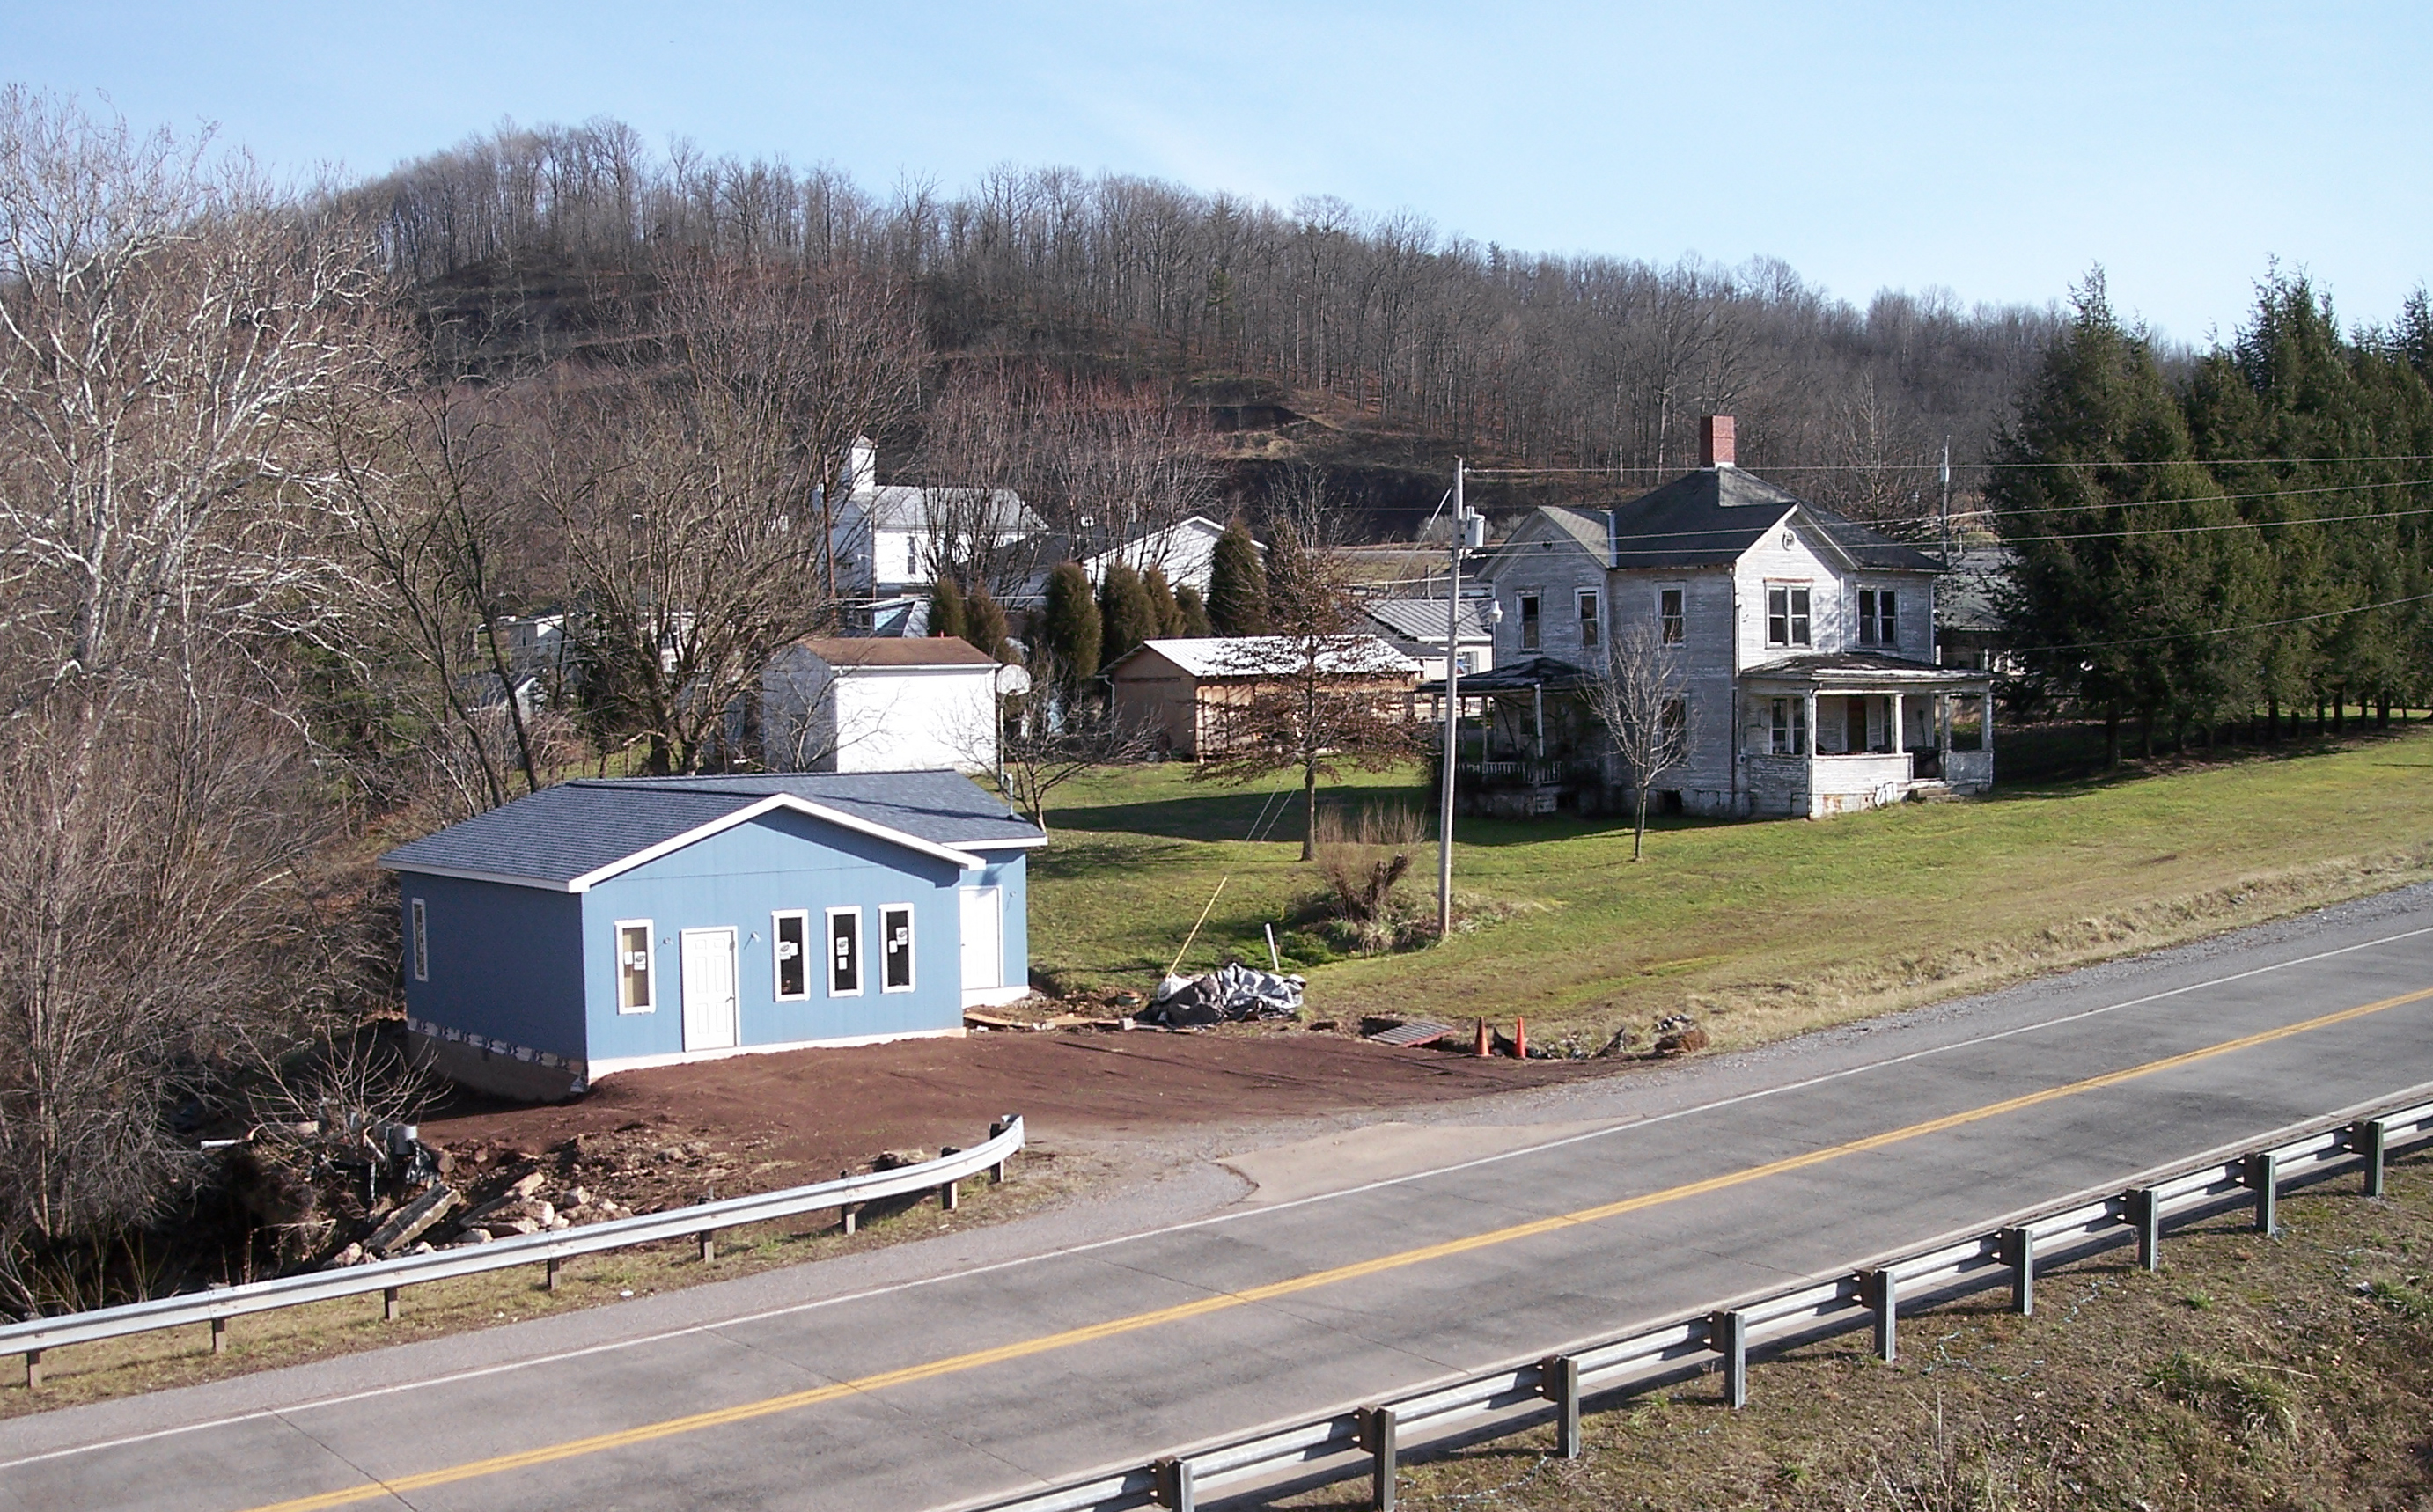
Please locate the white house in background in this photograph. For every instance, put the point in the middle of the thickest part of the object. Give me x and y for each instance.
(1416, 627)
(1804, 642)
(878, 704)
(886, 539)
(1186, 551)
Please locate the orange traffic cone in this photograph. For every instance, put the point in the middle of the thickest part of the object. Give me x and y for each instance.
(1520, 1039)
(1481, 1051)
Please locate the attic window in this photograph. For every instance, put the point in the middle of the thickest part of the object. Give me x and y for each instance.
(1670, 616)
(635, 960)
(1529, 622)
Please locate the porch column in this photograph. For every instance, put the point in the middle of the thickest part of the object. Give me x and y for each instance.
(1942, 723)
(1538, 695)
(1900, 738)
(1985, 741)
(1810, 699)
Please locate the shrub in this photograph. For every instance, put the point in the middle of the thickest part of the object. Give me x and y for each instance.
(1364, 858)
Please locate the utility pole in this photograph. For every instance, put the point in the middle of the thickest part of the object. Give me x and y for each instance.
(1942, 513)
(1461, 533)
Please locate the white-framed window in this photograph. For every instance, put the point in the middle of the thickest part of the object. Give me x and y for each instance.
(1879, 616)
(1587, 607)
(896, 947)
(1531, 626)
(421, 943)
(638, 966)
(1672, 614)
(1787, 619)
(789, 954)
(844, 951)
(1790, 726)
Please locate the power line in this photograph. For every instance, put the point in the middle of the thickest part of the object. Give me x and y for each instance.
(1931, 467)
(2231, 629)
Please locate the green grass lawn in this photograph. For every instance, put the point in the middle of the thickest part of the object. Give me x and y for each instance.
(1762, 928)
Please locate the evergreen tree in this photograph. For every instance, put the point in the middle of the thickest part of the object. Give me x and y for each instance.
(1238, 584)
(1069, 632)
(1194, 610)
(984, 624)
(946, 608)
(2115, 599)
(1125, 615)
(1162, 603)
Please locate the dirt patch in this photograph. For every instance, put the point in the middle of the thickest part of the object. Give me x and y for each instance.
(764, 1121)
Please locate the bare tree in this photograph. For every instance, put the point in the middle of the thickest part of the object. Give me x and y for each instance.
(689, 490)
(168, 332)
(1316, 693)
(1045, 740)
(1640, 697)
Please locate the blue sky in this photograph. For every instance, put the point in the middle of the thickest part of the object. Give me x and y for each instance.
(1998, 152)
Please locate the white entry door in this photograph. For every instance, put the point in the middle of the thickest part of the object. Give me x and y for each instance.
(708, 989)
(983, 940)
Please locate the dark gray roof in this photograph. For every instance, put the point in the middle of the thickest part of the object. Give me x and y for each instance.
(1842, 665)
(576, 829)
(1518, 677)
(1709, 517)
(1971, 598)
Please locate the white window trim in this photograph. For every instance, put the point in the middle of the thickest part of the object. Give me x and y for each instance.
(420, 942)
(860, 953)
(1661, 590)
(1588, 611)
(776, 967)
(1790, 585)
(1520, 624)
(911, 944)
(650, 947)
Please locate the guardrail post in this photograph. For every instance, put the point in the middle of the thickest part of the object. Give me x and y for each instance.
(1728, 1335)
(2370, 1138)
(219, 1336)
(33, 1369)
(551, 1282)
(1881, 1291)
(2146, 1215)
(947, 1197)
(392, 1304)
(2019, 1252)
(708, 1244)
(997, 1172)
(1558, 1382)
(1174, 1485)
(844, 1217)
(2262, 1175)
(1377, 1435)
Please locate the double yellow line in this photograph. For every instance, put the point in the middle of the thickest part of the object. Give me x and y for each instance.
(1114, 1327)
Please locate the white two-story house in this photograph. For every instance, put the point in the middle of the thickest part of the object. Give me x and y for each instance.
(1803, 642)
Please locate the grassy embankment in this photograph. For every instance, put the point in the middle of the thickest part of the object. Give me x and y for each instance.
(1759, 928)
(2250, 1374)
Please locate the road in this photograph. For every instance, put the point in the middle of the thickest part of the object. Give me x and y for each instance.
(938, 1372)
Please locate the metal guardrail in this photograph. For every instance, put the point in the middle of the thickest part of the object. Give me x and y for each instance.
(548, 1247)
(1356, 1441)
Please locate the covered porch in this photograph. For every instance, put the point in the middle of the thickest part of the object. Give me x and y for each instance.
(1828, 734)
(1528, 745)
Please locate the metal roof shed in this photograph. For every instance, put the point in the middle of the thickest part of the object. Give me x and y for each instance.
(600, 926)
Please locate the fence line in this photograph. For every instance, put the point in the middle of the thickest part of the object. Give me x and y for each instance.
(1366, 1440)
(548, 1248)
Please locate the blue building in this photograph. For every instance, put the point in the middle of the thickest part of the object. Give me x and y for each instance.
(609, 926)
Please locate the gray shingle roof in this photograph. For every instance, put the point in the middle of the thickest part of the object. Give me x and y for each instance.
(1423, 620)
(1712, 515)
(575, 829)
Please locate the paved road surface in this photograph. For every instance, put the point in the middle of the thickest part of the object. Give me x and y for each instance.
(935, 1373)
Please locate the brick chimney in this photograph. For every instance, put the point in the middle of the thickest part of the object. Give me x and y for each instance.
(1715, 441)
